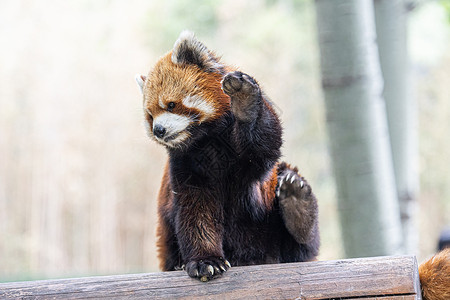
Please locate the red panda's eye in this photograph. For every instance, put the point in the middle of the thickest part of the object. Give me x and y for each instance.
(170, 106)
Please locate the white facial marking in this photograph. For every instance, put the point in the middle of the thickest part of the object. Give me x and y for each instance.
(173, 123)
(161, 103)
(148, 129)
(199, 103)
(178, 140)
(140, 81)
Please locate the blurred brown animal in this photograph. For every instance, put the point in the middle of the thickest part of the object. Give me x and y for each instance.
(435, 276)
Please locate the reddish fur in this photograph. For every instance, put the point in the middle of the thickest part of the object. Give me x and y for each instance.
(268, 188)
(166, 78)
(164, 205)
(435, 276)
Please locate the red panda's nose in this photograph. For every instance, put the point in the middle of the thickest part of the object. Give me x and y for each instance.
(159, 131)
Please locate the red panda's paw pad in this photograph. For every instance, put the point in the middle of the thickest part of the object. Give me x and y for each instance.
(207, 268)
(292, 184)
(244, 93)
(238, 84)
(298, 207)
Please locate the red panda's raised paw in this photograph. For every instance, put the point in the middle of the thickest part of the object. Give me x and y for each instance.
(244, 93)
(298, 207)
(239, 83)
(207, 268)
(292, 184)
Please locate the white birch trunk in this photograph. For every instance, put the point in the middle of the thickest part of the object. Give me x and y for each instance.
(390, 16)
(357, 127)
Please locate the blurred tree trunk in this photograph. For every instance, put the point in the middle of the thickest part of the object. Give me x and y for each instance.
(390, 16)
(357, 128)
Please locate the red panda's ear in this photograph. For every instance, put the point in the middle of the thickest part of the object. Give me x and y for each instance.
(189, 50)
(140, 79)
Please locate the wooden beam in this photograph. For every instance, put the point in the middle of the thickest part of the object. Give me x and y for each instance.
(372, 278)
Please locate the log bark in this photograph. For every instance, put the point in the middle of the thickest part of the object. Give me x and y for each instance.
(368, 278)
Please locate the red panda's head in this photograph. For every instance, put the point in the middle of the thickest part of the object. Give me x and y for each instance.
(183, 91)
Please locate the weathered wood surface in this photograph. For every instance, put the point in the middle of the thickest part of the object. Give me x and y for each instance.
(371, 278)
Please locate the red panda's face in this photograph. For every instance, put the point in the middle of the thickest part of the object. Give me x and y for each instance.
(180, 95)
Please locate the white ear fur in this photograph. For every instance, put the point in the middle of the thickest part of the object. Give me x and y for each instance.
(140, 79)
(188, 50)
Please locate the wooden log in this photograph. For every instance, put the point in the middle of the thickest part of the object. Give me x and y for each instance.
(369, 278)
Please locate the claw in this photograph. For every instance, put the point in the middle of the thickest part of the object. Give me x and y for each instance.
(204, 279)
(287, 177)
(227, 263)
(211, 270)
(223, 268)
(278, 192)
(302, 183)
(292, 179)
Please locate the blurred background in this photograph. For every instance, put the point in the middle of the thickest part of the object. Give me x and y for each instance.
(79, 177)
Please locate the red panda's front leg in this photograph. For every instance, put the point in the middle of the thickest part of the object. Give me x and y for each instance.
(199, 229)
(257, 133)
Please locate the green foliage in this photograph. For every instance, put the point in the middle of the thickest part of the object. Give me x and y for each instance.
(166, 19)
(446, 5)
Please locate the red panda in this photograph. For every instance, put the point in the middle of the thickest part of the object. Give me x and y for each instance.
(435, 276)
(225, 198)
